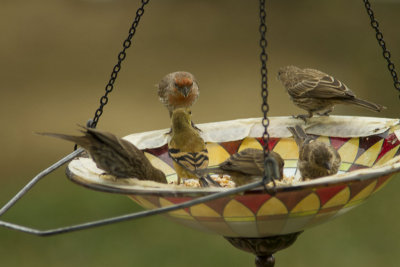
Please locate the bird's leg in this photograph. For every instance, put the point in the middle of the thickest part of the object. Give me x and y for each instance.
(107, 176)
(203, 182)
(304, 117)
(211, 181)
(326, 113)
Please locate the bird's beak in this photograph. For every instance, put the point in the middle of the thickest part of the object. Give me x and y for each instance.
(327, 165)
(186, 91)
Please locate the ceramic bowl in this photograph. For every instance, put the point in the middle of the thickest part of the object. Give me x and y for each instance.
(369, 148)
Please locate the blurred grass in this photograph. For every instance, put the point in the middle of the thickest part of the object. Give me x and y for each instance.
(56, 57)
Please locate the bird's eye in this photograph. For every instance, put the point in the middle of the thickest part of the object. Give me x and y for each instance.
(190, 112)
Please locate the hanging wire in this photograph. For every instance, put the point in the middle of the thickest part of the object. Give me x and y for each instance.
(92, 123)
(386, 54)
(121, 57)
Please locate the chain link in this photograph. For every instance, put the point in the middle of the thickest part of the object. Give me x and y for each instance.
(114, 74)
(386, 54)
(270, 165)
(264, 73)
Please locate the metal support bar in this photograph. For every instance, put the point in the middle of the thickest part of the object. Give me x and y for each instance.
(38, 177)
(131, 216)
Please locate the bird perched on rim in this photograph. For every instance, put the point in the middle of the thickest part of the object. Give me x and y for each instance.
(114, 155)
(178, 90)
(186, 147)
(316, 159)
(318, 92)
(246, 166)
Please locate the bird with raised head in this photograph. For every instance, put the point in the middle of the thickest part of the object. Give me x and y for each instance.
(186, 147)
(178, 89)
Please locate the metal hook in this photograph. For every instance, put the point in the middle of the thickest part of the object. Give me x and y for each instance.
(271, 172)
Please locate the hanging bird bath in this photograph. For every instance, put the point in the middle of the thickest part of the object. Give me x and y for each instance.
(369, 148)
(249, 217)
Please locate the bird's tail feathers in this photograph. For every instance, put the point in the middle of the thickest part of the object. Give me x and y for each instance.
(80, 140)
(299, 134)
(366, 104)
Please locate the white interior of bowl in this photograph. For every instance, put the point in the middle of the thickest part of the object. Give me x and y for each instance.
(85, 172)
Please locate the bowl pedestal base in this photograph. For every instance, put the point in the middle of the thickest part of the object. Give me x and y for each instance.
(264, 247)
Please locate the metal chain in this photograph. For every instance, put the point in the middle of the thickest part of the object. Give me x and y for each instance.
(386, 54)
(270, 165)
(114, 74)
(264, 73)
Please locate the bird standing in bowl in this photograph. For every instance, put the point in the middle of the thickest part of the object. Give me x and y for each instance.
(246, 166)
(316, 159)
(186, 147)
(114, 155)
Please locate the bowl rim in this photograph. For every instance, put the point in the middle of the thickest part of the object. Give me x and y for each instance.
(76, 167)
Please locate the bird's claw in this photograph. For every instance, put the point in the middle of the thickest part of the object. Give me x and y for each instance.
(302, 117)
(326, 114)
(207, 181)
(107, 176)
(203, 182)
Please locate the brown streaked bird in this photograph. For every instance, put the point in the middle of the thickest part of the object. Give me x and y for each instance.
(178, 90)
(316, 159)
(186, 147)
(246, 166)
(114, 155)
(318, 92)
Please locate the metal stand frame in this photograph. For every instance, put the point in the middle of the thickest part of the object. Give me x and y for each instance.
(120, 218)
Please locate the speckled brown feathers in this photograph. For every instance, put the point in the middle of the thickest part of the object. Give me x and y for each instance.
(114, 155)
(246, 166)
(318, 92)
(316, 159)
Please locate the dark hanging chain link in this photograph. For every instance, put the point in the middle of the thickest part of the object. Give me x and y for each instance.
(264, 73)
(271, 171)
(382, 43)
(114, 74)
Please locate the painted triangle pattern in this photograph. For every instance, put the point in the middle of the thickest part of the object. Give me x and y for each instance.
(255, 214)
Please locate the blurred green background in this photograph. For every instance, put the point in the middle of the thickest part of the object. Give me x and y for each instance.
(56, 57)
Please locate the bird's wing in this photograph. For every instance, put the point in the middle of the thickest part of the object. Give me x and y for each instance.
(120, 146)
(317, 84)
(163, 88)
(103, 137)
(80, 140)
(192, 161)
(248, 161)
